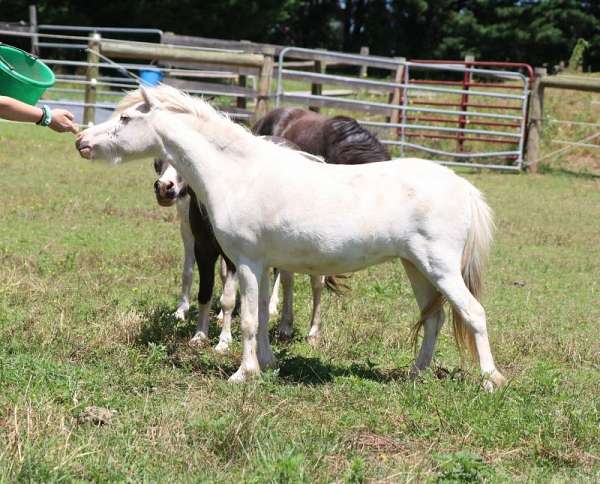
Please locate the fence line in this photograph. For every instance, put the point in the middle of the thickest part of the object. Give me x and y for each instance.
(410, 120)
(409, 115)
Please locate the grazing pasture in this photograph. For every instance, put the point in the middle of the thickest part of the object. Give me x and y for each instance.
(89, 277)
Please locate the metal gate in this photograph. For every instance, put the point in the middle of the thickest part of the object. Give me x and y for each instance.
(467, 113)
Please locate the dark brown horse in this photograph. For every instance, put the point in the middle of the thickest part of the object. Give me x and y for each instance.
(339, 140)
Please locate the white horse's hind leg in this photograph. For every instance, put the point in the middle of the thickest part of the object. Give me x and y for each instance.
(274, 302)
(317, 283)
(187, 273)
(249, 277)
(452, 286)
(266, 359)
(227, 307)
(285, 328)
(425, 293)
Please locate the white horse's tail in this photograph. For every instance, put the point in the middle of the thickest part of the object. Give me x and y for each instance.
(475, 253)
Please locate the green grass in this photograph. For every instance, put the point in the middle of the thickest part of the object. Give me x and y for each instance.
(89, 274)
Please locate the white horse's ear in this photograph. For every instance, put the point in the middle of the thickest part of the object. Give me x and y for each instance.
(149, 99)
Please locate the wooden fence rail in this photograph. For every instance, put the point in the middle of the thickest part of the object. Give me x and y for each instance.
(536, 108)
(261, 65)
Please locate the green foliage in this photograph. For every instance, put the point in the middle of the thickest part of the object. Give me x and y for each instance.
(461, 467)
(357, 472)
(534, 31)
(576, 59)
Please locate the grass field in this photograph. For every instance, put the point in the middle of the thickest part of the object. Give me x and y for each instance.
(89, 274)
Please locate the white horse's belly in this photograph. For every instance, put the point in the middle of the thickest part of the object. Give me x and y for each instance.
(313, 259)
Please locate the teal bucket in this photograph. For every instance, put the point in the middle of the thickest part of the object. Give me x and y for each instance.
(22, 75)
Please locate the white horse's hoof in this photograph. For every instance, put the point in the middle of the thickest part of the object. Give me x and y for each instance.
(243, 374)
(222, 347)
(181, 313)
(199, 339)
(494, 380)
(313, 340)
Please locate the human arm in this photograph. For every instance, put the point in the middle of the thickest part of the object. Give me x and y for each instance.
(15, 110)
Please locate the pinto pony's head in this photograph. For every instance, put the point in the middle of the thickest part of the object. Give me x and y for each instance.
(169, 187)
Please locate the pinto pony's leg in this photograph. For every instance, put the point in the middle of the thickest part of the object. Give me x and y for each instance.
(317, 283)
(206, 257)
(274, 301)
(249, 276)
(266, 359)
(432, 316)
(286, 328)
(187, 273)
(223, 273)
(227, 306)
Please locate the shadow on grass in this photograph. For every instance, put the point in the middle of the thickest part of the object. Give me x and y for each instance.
(314, 371)
(161, 328)
(550, 170)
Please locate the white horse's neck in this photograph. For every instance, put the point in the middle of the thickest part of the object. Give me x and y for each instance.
(208, 159)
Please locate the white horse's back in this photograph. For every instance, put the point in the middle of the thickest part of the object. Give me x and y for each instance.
(341, 218)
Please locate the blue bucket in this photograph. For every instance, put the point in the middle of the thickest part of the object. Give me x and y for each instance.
(151, 77)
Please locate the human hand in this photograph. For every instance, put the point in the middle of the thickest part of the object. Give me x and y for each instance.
(62, 121)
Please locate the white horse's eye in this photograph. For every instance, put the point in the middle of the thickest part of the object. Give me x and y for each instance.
(124, 118)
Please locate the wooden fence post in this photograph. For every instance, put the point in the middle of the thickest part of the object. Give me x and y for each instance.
(316, 88)
(464, 101)
(396, 97)
(264, 85)
(91, 77)
(534, 126)
(364, 50)
(33, 28)
(241, 101)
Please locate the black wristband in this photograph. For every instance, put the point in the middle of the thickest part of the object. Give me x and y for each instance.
(42, 117)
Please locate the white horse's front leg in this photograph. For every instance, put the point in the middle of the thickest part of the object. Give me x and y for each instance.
(286, 328)
(227, 307)
(317, 283)
(266, 359)
(187, 273)
(249, 275)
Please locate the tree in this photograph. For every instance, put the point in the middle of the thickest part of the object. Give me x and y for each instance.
(534, 31)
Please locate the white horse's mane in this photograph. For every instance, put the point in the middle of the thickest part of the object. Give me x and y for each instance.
(174, 100)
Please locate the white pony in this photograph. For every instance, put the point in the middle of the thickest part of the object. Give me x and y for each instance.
(288, 212)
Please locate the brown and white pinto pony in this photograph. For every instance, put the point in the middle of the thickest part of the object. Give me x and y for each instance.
(201, 247)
